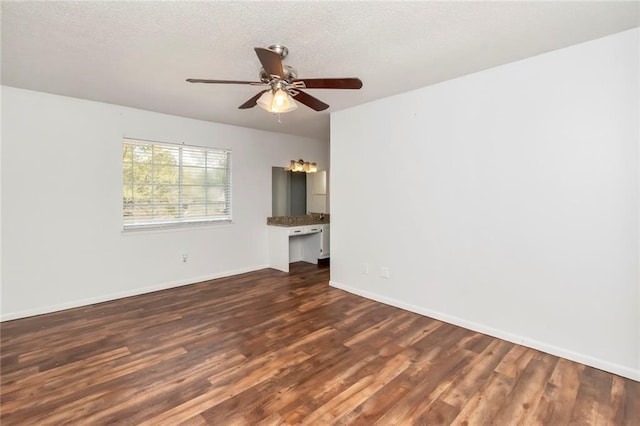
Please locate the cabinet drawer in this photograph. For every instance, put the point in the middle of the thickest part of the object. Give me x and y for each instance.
(303, 230)
(298, 230)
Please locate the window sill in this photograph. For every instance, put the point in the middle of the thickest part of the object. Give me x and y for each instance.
(173, 227)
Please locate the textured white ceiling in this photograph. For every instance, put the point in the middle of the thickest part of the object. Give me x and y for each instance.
(138, 54)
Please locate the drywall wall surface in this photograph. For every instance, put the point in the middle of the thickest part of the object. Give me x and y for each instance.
(62, 239)
(505, 201)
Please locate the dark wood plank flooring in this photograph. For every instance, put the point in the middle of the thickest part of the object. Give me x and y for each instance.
(274, 348)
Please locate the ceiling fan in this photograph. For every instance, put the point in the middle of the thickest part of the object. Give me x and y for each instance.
(284, 85)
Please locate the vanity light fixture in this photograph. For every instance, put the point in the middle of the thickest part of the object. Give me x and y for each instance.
(303, 166)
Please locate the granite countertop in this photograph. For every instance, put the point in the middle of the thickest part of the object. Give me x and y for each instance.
(309, 219)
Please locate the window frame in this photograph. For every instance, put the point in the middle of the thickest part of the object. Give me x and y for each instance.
(181, 221)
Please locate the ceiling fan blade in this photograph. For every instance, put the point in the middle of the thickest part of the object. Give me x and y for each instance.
(199, 80)
(270, 61)
(329, 83)
(308, 100)
(251, 102)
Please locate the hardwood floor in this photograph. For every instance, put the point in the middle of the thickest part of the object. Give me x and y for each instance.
(274, 348)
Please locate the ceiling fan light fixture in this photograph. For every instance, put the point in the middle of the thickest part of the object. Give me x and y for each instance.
(277, 101)
(283, 84)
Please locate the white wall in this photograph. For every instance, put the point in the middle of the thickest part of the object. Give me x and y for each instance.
(504, 201)
(62, 244)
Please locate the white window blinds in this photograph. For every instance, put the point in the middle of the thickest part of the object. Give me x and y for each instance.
(165, 184)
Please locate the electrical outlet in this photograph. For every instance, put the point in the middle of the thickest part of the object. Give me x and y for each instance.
(365, 268)
(184, 258)
(384, 272)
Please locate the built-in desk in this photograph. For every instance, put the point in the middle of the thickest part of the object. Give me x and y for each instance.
(306, 243)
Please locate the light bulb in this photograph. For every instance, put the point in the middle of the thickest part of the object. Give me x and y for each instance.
(280, 101)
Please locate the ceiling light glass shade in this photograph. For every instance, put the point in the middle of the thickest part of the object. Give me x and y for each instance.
(277, 101)
(280, 100)
(265, 100)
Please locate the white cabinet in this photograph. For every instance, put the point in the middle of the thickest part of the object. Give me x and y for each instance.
(317, 192)
(306, 243)
(324, 241)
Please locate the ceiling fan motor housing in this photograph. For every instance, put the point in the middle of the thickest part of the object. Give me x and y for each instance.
(289, 74)
(280, 50)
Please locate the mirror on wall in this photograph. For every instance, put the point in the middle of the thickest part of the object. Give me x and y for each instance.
(296, 194)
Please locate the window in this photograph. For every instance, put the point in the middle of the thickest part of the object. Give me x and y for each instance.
(164, 184)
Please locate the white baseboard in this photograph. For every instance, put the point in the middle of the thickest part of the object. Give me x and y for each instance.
(122, 294)
(628, 372)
